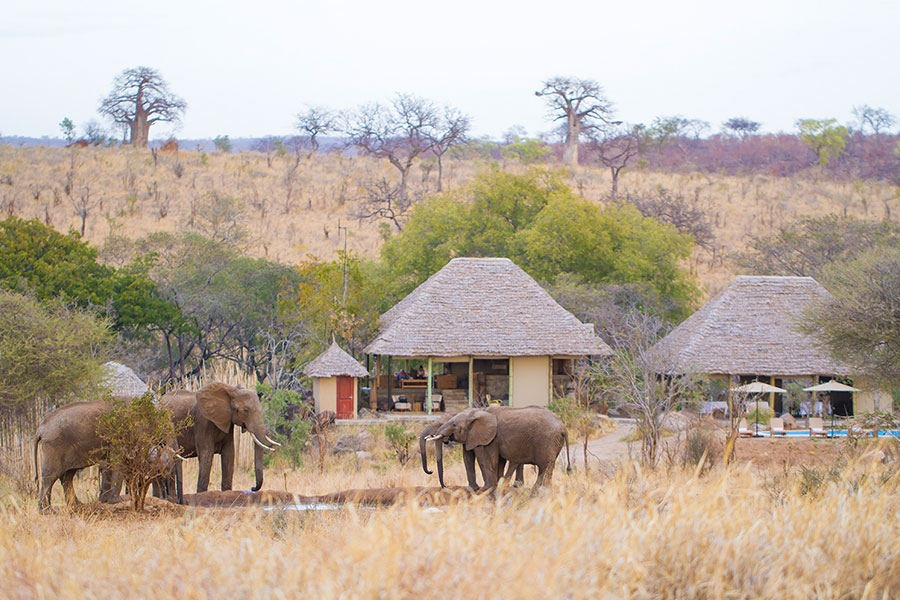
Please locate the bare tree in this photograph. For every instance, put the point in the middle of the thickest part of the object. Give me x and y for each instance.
(399, 132)
(140, 97)
(614, 147)
(317, 120)
(451, 130)
(384, 200)
(83, 205)
(675, 209)
(643, 376)
(737, 406)
(877, 119)
(581, 104)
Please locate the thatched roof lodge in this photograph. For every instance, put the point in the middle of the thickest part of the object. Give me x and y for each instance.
(494, 329)
(122, 380)
(749, 331)
(335, 377)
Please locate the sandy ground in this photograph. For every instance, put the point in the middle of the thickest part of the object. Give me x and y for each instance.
(603, 451)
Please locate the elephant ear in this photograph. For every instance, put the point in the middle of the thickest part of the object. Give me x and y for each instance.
(214, 402)
(482, 430)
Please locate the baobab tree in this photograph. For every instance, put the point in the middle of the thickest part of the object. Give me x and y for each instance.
(581, 104)
(140, 97)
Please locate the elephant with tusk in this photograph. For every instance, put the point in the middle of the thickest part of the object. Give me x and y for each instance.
(529, 435)
(429, 435)
(215, 410)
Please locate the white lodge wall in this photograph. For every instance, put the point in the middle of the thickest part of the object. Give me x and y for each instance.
(530, 380)
(325, 393)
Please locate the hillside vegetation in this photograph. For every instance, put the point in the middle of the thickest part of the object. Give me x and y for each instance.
(292, 206)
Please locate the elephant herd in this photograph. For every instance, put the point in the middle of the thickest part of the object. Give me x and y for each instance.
(490, 437)
(69, 441)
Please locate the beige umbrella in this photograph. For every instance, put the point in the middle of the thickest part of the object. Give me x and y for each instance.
(759, 388)
(831, 386)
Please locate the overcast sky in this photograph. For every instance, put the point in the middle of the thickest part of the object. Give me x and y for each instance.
(247, 68)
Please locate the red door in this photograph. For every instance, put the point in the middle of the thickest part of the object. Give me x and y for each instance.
(344, 397)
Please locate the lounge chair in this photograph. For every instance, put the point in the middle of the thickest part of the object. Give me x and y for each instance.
(776, 426)
(817, 427)
(744, 429)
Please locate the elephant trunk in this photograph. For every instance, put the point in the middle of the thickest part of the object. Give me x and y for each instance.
(424, 452)
(439, 459)
(258, 467)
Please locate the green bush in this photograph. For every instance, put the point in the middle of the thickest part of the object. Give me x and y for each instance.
(399, 439)
(284, 411)
(762, 417)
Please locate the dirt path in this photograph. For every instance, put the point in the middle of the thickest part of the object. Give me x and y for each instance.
(603, 450)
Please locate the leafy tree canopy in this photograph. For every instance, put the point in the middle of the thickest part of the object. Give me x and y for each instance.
(48, 353)
(538, 222)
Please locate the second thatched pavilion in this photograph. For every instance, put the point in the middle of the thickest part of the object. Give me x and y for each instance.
(749, 332)
(480, 328)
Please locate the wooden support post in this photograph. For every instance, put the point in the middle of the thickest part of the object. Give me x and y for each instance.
(390, 378)
(373, 389)
(772, 395)
(471, 380)
(510, 381)
(428, 399)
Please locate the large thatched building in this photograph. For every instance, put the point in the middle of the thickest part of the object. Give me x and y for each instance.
(749, 331)
(491, 330)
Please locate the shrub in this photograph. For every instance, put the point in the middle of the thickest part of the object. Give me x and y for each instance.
(762, 416)
(399, 439)
(138, 441)
(285, 411)
(701, 444)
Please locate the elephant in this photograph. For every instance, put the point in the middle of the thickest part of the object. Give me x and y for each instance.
(69, 442)
(529, 435)
(214, 410)
(468, 455)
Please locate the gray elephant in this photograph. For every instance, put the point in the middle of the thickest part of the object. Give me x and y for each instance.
(69, 442)
(214, 410)
(530, 435)
(468, 455)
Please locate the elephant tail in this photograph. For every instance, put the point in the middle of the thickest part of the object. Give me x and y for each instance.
(568, 458)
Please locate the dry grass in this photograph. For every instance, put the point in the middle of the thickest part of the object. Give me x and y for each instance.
(737, 534)
(129, 192)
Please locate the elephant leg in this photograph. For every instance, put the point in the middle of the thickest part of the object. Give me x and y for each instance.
(488, 459)
(46, 493)
(520, 476)
(205, 458)
(545, 473)
(179, 479)
(227, 457)
(110, 485)
(67, 481)
(469, 461)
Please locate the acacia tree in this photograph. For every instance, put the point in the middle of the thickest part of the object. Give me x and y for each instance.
(878, 120)
(317, 120)
(741, 126)
(140, 97)
(581, 104)
(614, 148)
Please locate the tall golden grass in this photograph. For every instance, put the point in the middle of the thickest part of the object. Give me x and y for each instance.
(731, 534)
(294, 212)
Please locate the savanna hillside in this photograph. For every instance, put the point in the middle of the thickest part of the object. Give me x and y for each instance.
(292, 205)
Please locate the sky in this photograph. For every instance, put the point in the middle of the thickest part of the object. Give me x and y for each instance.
(247, 68)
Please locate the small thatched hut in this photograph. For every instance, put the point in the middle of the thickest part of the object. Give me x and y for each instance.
(122, 380)
(749, 331)
(335, 377)
(491, 327)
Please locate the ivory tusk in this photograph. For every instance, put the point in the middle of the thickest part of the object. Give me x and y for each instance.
(260, 444)
(431, 438)
(273, 442)
(180, 456)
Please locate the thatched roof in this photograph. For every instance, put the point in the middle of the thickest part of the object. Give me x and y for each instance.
(482, 307)
(334, 362)
(750, 329)
(122, 380)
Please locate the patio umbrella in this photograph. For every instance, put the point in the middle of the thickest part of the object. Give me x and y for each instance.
(759, 388)
(831, 386)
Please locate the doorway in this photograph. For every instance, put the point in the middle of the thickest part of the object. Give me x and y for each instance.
(344, 397)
